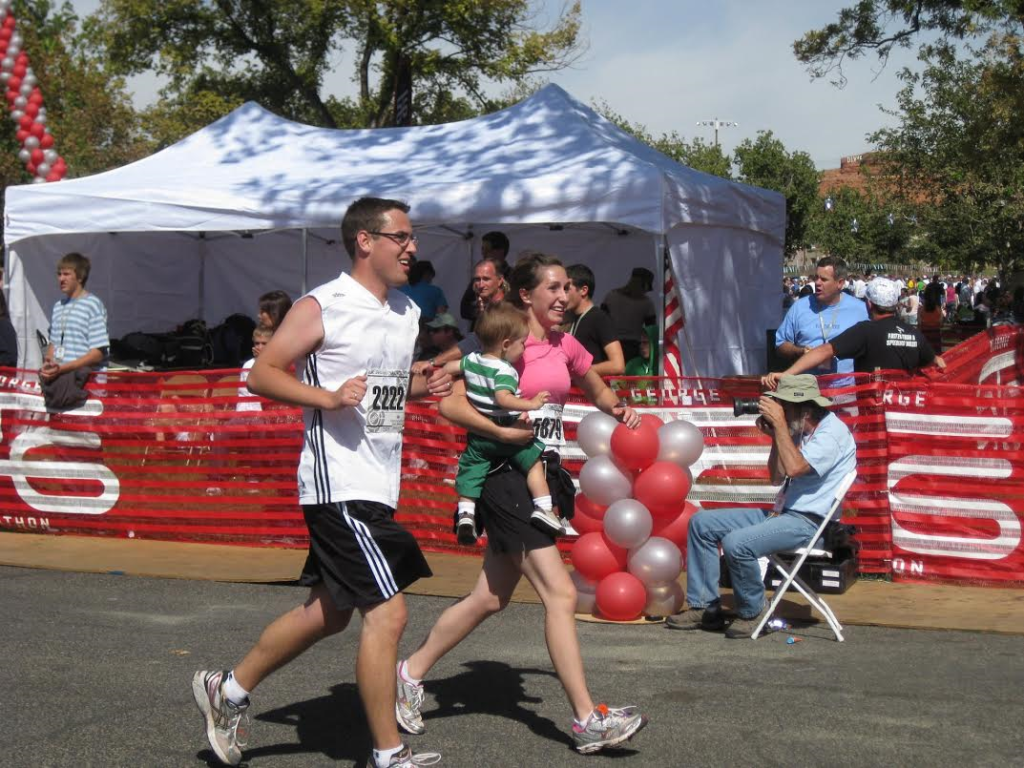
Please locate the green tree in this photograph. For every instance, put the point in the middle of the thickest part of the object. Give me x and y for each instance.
(765, 162)
(218, 53)
(89, 112)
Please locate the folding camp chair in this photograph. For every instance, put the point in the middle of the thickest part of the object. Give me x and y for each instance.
(790, 572)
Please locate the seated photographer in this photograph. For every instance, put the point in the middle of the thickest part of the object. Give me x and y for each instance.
(812, 451)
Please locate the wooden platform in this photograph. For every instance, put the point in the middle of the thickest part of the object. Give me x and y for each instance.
(914, 606)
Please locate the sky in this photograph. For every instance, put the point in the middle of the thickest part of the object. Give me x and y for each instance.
(669, 64)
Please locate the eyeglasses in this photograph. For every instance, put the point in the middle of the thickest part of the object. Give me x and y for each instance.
(398, 238)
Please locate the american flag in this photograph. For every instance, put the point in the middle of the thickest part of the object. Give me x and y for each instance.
(674, 322)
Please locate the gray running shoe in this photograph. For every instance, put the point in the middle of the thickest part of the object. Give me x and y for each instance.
(547, 521)
(697, 618)
(744, 628)
(608, 727)
(408, 700)
(465, 528)
(227, 724)
(406, 759)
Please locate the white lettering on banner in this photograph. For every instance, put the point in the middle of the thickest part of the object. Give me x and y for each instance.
(936, 425)
(25, 523)
(965, 547)
(996, 365)
(20, 470)
(895, 397)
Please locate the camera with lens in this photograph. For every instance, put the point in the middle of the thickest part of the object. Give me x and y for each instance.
(745, 406)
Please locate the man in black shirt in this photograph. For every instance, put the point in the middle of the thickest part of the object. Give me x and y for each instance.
(882, 343)
(591, 325)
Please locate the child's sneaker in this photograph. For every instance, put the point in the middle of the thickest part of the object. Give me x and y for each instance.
(465, 527)
(607, 727)
(547, 521)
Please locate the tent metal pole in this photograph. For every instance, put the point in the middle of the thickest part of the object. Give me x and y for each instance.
(305, 261)
(661, 260)
(202, 278)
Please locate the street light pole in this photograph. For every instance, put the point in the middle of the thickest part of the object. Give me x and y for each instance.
(717, 124)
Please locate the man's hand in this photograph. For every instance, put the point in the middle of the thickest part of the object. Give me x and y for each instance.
(773, 413)
(350, 394)
(539, 400)
(940, 362)
(49, 371)
(627, 416)
(764, 426)
(770, 381)
(439, 383)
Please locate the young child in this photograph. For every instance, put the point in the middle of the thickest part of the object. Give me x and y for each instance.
(492, 385)
(260, 336)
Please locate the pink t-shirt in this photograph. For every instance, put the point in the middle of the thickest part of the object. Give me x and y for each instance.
(551, 365)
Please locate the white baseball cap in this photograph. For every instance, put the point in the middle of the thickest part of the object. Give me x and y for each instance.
(883, 292)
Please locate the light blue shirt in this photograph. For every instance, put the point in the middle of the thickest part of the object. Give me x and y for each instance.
(77, 326)
(832, 454)
(809, 324)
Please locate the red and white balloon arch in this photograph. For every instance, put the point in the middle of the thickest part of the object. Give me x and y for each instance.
(25, 104)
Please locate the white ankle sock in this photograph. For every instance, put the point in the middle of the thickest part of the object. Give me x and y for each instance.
(403, 671)
(236, 694)
(543, 502)
(467, 506)
(382, 756)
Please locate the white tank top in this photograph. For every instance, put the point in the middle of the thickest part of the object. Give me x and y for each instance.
(356, 453)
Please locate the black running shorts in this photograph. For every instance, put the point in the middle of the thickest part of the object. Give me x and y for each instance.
(504, 508)
(359, 552)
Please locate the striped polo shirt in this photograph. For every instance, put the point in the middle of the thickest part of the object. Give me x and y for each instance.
(78, 325)
(484, 377)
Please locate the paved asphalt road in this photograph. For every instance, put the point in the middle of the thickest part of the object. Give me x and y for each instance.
(96, 668)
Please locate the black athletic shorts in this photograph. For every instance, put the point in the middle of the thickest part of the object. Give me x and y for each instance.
(504, 510)
(359, 552)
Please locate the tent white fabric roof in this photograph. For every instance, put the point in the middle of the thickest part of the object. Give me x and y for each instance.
(547, 160)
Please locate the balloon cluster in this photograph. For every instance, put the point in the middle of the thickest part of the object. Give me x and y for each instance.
(632, 515)
(25, 102)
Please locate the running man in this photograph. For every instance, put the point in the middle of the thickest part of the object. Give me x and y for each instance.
(356, 336)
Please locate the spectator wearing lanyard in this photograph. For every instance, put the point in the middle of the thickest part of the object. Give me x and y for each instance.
(78, 325)
(591, 325)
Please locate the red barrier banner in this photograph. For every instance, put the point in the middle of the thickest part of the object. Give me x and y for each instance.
(189, 456)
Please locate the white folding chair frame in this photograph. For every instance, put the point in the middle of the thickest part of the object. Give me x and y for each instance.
(790, 573)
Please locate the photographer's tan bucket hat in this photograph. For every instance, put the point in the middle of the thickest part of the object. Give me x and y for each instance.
(801, 388)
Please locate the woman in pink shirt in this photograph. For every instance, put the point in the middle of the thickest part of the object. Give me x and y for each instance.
(553, 361)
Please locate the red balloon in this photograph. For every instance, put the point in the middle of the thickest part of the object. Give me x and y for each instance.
(654, 421)
(675, 528)
(37, 156)
(22, 58)
(662, 488)
(5, 32)
(635, 448)
(31, 168)
(589, 508)
(584, 524)
(11, 96)
(19, 70)
(31, 110)
(46, 141)
(14, 83)
(36, 97)
(10, 21)
(26, 122)
(21, 135)
(621, 597)
(38, 129)
(595, 557)
(53, 176)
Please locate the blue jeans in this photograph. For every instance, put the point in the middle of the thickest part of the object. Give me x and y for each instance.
(745, 536)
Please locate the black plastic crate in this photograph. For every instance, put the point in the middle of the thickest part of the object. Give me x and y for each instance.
(822, 576)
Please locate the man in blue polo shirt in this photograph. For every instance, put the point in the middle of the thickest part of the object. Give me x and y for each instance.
(817, 319)
(78, 326)
(812, 451)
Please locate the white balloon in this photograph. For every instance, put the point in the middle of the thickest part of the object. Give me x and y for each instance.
(25, 89)
(582, 583)
(41, 119)
(24, 155)
(657, 561)
(16, 40)
(586, 603)
(39, 180)
(42, 169)
(594, 434)
(7, 64)
(21, 102)
(5, 76)
(628, 523)
(31, 142)
(30, 79)
(680, 442)
(13, 50)
(16, 115)
(604, 483)
(664, 599)
(50, 156)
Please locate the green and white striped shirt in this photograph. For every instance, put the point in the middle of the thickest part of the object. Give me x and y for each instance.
(484, 377)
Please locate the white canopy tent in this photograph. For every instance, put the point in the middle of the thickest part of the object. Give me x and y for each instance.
(253, 202)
